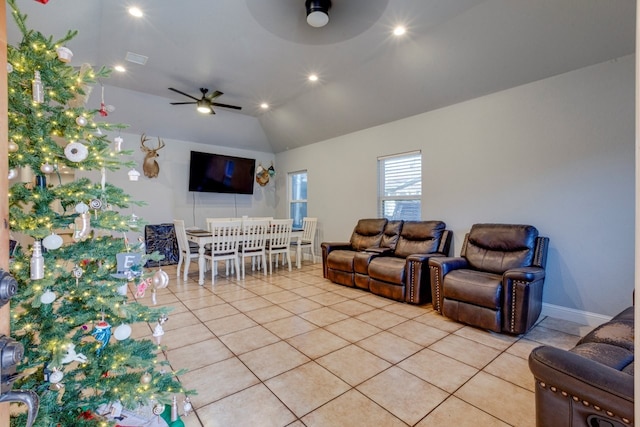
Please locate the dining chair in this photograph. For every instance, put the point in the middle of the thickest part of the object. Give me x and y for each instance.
(308, 237)
(224, 245)
(188, 251)
(278, 241)
(253, 243)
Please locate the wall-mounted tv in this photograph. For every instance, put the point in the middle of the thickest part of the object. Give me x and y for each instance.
(217, 173)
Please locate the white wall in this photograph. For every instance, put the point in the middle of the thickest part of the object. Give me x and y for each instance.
(557, 154)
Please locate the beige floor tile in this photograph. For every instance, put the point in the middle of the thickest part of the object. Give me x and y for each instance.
(375, 300)
(381, 318)
(352, 308)
(327, 298)
(455, 412)
(323, 316)
(272, 360)
(264, 410)
(404, 395)
(248, 339)
(218, 380)
(191, 420)
(140, 330)
(175, 307)
(418, 332)
(465, 350)
(203, 301)
(523, 347)
(230, 324)
(390, 347)
(513, 369)
(438, 321)
(510, 403)
(439, 370)
(184, 336)
(352, 293)
(306, 387)
(307, 291)
(353, 364)
(300, 306)
(351, 409)
(565, 326)
(215, 312)
(268, 314)
(281, 296)
(197, 355)
(353, 329)
(290, 327)
(552, 337)
(249, 304)
(180, 320)
(408, 311)
(317, 343)
(491, 339)
(234, 294)
(264, 289)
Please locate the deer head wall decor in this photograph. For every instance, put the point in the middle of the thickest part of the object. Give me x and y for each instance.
(150, 166)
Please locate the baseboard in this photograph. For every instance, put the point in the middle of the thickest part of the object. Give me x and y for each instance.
(573, 315)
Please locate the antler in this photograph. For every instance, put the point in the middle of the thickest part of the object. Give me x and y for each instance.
(144, 139)
(160, 144)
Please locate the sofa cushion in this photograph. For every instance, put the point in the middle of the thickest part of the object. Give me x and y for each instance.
(419, 237)
(388, 269)
(367, 233)
(611, 355)
(391, 234)
(341, 260)
(497, 248)
(615, 332)
(474, 287)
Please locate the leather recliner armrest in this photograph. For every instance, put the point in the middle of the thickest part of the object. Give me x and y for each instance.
(380, 251)
(439, 266)
(560, 371)
(327, 247)
(525, 274)
(522, 298)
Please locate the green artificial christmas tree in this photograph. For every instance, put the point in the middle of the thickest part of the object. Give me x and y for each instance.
(72, 297)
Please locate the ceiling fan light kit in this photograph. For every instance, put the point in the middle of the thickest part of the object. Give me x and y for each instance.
(205, 104)
(317, 12)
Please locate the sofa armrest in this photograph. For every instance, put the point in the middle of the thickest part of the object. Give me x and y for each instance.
(379, 250)
(439, 266)
(327, 247)
(418, 286)
(570, 386)
(522, 301)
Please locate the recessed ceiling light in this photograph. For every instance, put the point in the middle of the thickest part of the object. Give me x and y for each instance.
(134, 11)
(120, 68)
(313, 77)
(264, 106)
(399, 30)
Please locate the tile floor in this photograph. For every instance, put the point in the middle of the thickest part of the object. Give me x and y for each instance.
(293, 349)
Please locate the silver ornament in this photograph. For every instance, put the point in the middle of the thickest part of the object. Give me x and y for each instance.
(81, 121)
(46, 168)
(12, 146)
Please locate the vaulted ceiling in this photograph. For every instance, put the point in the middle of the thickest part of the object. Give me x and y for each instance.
(259, 51)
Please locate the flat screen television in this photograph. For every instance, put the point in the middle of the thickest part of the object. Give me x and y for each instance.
(217, 173)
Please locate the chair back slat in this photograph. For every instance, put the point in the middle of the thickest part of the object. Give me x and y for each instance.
(309, 229)
(280, 233)
(181, 234)
(224, 236)
(254, 234)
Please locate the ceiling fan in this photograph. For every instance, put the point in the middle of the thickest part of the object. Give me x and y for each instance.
(205, 104)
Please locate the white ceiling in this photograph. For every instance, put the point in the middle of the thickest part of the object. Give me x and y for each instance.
(263, 50)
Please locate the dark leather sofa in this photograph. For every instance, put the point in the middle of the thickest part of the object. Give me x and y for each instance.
(591, 384)
(388, 258)
(496, 283)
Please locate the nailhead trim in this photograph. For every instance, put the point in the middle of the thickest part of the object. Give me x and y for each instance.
(584, 402)
(436, 297)
(513, 304)
(411, 281)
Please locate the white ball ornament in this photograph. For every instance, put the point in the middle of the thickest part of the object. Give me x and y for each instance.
(46, 168)
(12, 147)
(145, 378)
(12, 173)
(48, 297)
(122, 332)
(52, 241)
(55, 377)
(160, 279)
(82, 208)
(81, 121)
(118, 143)
(76, 152)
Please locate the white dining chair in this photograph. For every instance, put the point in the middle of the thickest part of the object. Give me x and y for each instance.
(308, 240)
(254, 243)
(278, 241)
(225, 238)
(187, 251)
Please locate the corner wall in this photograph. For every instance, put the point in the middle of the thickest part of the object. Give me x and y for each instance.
(557, 154)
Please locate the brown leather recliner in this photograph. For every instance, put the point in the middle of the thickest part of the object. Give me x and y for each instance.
(338, 257)
(403, 275)
(497, 281)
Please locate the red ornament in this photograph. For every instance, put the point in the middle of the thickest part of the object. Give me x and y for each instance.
(103, 109)
(43, 1)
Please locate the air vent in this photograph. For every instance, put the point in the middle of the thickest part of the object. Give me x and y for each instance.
(136, 58)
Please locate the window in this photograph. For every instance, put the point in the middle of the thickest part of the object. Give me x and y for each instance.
(297, 197)
(400, 186)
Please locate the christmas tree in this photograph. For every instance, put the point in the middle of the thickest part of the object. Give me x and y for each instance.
(71, 295)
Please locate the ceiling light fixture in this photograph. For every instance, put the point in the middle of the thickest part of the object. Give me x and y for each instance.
(120, 68)
(313, 77)
(264, 106)
(203, 107)
(399, 30)
(135, 11)
(317, 12)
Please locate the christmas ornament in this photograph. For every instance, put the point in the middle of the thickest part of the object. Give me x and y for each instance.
(103, 110)
(158, 409)
(81, 121)
(77, 273)
(82, 225)
(110, 108)
(12, 174)
(160, 279)
(102, 333)
(12, 147)
(133, 221)
(37, 88)
(76, 152)
(122, 289)
(82, 207)
(117, 144)
(95, 204)
(46, 168)
(133, 175)
(158, 332)
(187, 407)
(64, 54)
(142, 287)
(174, 409)
(72, 356)
(9, 67)
(43, 1)
(122, 332)
(126, 262)
(145, 378)
(55, 376)
(37, 262)
(48, 297)
(41, 181)
(52, 241)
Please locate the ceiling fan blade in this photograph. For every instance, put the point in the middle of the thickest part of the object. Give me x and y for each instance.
(214, 95)
(182, 93)
(235, 107)
(181, 103)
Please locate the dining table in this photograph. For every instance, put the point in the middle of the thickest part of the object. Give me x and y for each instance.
(203, 237)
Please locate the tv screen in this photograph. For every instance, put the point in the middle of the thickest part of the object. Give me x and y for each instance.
(217, 173)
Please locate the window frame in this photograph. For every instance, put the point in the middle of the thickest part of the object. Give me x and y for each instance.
(411, 157)
(297, 222)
